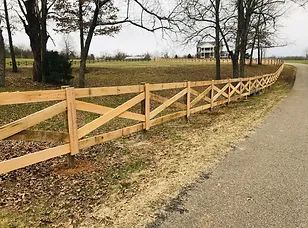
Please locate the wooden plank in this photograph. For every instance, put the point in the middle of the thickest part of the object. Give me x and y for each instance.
(147, 110)
(229, 91)
(107, 91)
(201, 96)
(212, 95)
(200, 108)
(100, 109)
(220, 92)
(200, 84)
(188, 101)
(165, 86)
(33, 158)
(168, 117)
(165, 105)
(85, 143)
(161, 99)
(72, 120)
(31, 120)
(220, 102)
(235, 89)
(196, 93)
(86, 129)
(40, 136)
(9, 98)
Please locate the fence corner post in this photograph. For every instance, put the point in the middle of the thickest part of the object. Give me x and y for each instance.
(188, 97)
(71, 124)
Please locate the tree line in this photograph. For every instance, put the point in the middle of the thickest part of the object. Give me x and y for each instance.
(237, 25)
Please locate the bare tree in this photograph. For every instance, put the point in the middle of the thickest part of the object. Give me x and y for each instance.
(68, 47)
(2, 59)
(33, 15)
(9, 32)
(201, 20)
(101, 17)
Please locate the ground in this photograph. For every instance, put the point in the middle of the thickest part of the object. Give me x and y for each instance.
(263, 180)
(124, 182)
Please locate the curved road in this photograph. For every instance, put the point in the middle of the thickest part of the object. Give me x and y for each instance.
(264, 182)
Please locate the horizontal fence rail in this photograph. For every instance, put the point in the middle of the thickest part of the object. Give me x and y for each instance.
(75, 62)
(189, 98)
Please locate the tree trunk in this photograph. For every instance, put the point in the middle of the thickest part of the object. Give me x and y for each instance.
(37, 71)
(43, 39)
(252, 48)
(33, 30)
(86, 46)
(238, 41)
(242, 60)
(217, 39)
(2, 61)
(82, 72)
(83, 60)
(8, 27)
(259, 51)
(235, 66)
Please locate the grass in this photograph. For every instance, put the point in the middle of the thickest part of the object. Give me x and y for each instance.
(128, 73)
(49, 194)
(304, 61)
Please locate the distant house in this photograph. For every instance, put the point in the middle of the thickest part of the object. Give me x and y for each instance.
(138, 58)
(135, 58)
(207, 50)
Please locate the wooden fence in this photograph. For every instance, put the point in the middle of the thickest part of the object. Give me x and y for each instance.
(207, 60)
(198, 96)
(223, 60)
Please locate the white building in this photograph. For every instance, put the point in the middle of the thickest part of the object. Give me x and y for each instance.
(207, 50)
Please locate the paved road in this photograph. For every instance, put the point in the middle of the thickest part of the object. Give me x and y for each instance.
(264, 182)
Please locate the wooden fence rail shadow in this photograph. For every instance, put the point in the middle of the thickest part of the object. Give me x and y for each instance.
(198, 96)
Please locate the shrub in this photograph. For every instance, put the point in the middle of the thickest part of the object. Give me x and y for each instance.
(120, 56)
(147, 57)
(58, 68)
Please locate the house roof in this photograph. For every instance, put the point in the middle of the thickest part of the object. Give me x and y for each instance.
(205, 44)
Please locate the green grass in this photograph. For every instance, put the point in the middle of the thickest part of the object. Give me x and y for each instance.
(304, 61)
(21, 62)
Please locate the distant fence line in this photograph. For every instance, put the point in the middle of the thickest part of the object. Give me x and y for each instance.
(198, 96)
(209, 60)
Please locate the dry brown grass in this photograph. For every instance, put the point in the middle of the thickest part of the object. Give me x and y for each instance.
(124, 182)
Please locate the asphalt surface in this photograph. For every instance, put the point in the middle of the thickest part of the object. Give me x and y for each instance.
(264, 182)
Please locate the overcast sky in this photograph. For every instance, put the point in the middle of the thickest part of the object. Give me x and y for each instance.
(131, 40)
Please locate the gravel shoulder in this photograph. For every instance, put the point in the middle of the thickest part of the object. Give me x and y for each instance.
(263, 181)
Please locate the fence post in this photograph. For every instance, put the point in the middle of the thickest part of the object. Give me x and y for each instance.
(188, 101)
(241, 87)
(71, 125)
(212, 95)
(229, 91)
(146, 106)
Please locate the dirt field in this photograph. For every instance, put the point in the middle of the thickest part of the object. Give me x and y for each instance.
(123, 183)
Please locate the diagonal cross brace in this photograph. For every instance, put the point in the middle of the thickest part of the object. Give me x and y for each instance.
(88, 128)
